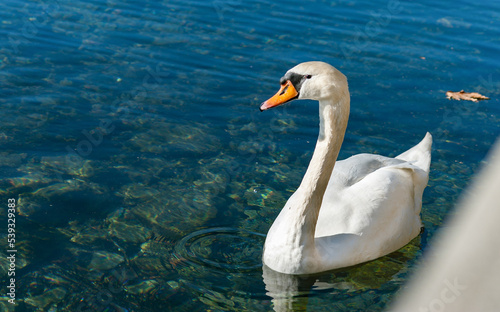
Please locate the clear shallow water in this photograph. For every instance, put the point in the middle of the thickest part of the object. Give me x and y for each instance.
(145, 175)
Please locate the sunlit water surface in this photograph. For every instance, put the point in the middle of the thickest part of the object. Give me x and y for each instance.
(146, 178)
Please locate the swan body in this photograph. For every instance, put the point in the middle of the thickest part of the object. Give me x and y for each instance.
(344, 212)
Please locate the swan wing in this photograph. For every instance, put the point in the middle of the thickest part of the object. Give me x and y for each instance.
(377, 197)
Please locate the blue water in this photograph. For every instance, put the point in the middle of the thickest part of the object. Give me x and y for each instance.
(145, 176)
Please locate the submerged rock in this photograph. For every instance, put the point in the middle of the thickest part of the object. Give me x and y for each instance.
(175, 139)
(51, 296)
(143, 287)
(105, 260)
(123, 225)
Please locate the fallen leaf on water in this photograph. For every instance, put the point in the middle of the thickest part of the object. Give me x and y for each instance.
(466, 96)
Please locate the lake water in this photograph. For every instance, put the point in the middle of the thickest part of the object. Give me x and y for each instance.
(145, 177)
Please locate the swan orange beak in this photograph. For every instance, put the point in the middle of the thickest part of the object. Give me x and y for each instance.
(286, 93)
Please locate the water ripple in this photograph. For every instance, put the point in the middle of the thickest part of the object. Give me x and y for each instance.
(224, 248)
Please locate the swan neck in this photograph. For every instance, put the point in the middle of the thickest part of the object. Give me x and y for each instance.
(333, 123)
(293, 232)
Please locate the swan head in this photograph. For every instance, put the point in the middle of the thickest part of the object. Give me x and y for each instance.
(309, 81)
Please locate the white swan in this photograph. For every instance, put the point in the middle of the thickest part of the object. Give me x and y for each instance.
(367, 207)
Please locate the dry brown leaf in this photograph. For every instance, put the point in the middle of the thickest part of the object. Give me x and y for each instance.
(466, 96)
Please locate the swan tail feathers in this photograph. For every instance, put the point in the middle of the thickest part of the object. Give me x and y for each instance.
(420, 154)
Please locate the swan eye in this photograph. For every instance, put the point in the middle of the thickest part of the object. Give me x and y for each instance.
(308, 76)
